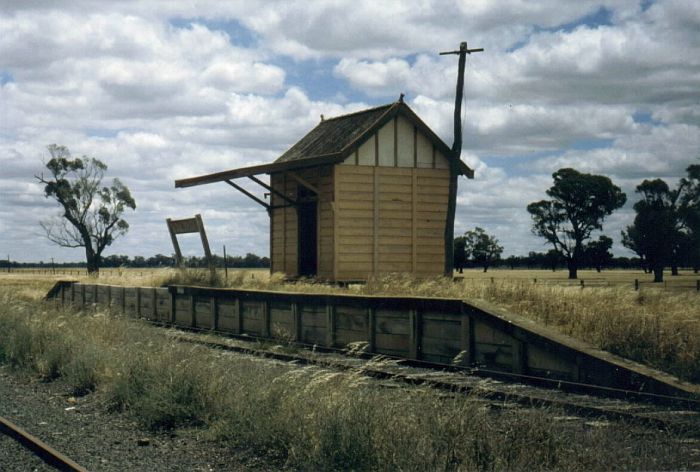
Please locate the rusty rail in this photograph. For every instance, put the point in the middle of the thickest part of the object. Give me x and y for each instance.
(676, 409)
(42, 450)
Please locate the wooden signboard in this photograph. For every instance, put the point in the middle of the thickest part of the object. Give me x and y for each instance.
(189, 225)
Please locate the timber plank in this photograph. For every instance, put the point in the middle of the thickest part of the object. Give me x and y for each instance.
(392, 322)
(313, 316)
(343, 337)
(395, 266)
(441, 347)
(445, 330)
(359, 259)
(392, 344)
(313, 335)
(393, 171)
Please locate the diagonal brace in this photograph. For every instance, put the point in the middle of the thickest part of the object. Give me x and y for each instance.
(270, 189)
(247, 193)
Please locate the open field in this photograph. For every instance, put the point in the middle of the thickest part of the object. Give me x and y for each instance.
(655, 326)
(310, 418)
(686, 280)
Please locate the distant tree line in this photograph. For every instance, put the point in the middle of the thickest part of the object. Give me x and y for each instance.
(551, 260)
(665, 231)
(157, 261)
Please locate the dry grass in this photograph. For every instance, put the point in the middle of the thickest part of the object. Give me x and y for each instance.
(311, 418)
(657, 327)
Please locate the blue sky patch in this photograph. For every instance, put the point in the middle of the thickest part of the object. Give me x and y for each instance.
(102, 132)
(6, 77)
(317, 80)
(644, 117)
(591, 143)
(601, 17)
(238, 34)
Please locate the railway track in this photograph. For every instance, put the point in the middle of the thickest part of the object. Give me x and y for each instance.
(40, 449)
(680, 415)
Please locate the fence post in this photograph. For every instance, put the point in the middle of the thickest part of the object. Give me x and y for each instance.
(330, 325)
(414, 333)
(371, 329)
(582, 283)
(296, 321)
(636, 284)
(697, 285)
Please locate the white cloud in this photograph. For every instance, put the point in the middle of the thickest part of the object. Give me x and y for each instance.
(158, 102)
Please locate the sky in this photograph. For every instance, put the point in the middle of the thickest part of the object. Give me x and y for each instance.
(161, 90)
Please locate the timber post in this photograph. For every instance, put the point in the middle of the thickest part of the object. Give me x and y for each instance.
(454, 158)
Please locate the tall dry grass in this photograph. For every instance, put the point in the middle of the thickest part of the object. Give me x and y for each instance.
(310, 418)
(656, 327)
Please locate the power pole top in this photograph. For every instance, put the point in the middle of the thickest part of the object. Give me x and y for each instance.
(463, 49)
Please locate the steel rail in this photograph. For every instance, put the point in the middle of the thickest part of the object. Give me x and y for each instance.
(441, 384)
(42, 450)
(562, 385)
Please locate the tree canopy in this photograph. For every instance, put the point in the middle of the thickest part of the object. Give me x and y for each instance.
(478, 246)
(578, 206)
(597, 253)
(666, 228)
(91, 213)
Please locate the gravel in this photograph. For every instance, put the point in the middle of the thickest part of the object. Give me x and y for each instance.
(81, 429)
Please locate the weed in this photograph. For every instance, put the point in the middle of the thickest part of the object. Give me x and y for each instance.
(314, 418)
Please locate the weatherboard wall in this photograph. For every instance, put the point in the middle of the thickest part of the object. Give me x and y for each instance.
(381, 210)
(390, 205)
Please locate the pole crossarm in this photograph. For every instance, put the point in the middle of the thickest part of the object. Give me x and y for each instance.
(463, 49)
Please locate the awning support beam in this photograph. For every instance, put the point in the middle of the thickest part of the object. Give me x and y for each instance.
(247, 193)
(276, 192)
(303, 182)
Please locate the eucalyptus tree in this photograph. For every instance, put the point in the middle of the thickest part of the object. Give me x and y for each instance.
(578, 206)
(91, 214)
(666, 228)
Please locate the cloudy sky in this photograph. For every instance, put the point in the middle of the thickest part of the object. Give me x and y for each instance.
(162, 90)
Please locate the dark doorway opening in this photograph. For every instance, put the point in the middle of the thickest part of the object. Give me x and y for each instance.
(308, 232)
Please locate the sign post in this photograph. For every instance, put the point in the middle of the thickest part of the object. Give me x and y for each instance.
(190, 225)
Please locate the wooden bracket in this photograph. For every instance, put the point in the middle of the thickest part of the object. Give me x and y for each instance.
(248, 194)
(272, 190)
(303, 182)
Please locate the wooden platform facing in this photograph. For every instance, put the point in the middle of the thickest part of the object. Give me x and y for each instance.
(447, 331)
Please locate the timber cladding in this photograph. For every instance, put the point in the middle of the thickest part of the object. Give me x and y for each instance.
(447, 331)
(389, 219)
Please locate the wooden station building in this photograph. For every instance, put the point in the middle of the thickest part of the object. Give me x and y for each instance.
(360, 194)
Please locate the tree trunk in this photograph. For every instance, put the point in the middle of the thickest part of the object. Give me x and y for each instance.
(658, 274)
(674, 269)
(93, 261)
(573, 270)
(486, 268)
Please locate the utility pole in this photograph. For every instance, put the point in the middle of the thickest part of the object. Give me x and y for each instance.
(454, 158)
